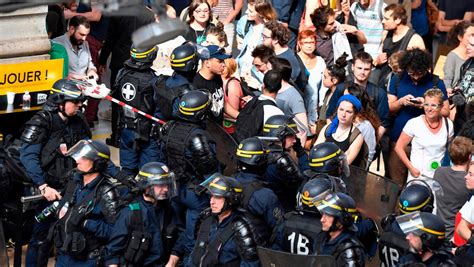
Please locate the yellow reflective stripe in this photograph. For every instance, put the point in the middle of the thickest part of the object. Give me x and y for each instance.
(142, 54)
(66, 91)
(408, 209)
(324, 202)
(440, 235)
(181, 60)
(150, 174)
(186, 113)
(252, 152)
(194, 109)
(238, 190)
(218, 186)
(102, 155)
(327, 157)
(177, 65)
(316, 164)
(242, 154)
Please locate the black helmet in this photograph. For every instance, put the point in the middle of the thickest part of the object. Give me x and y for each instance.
(416, 196)
(342, 207)
(95, 151)
(227, 187)
(252, 152)
(184, 58)
(429, 227)
(326, 157)
(314, 191)
(280, 126)
(193, 106)
(156, 173)
(65, 90)
(144, 55)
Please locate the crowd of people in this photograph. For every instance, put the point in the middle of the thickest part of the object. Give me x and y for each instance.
(269, 106)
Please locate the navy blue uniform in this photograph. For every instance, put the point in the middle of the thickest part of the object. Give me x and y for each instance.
(153, 223)
(229, 253)
(100, 200)
(392, 243)
(263, 203)
(347, 250)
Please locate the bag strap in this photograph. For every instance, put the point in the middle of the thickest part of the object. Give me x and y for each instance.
(136, 218)
(447, 132)
(227, 85)
(406, 39)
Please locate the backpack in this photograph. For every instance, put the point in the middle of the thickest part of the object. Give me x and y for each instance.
(250, 120)
(246, 90)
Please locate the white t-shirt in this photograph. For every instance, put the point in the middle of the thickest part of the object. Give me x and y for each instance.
(427, 149)
(269, 110)
(467, 211)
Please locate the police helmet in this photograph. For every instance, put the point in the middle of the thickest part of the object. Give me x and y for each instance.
(416, 197)
(280, 126)
(95, 151)
(227, 187)
(65, 90)
(156, 173)
(184, 58)
(342, 207)
(313, 192)
(193, 105)
(429, 227)
(252, 152)
(145, 55)
(326, 157)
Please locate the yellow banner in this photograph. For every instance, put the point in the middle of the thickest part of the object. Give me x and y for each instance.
(30, 76)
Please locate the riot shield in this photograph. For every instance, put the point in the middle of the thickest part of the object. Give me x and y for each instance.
(273, 258)
(225, 145)
(375, 196)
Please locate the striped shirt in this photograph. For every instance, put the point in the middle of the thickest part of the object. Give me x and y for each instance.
(369, 21)
(222, 10)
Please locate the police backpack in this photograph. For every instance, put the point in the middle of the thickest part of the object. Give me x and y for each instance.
(250, 120)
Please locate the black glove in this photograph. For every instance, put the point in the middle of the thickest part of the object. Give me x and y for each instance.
(299, 148)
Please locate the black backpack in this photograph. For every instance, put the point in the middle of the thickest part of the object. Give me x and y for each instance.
(250, 120)
(246, 90)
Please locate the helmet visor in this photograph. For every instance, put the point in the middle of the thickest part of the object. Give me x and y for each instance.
(271, 144)
(211, 187)
(163, 186)
(84, 149)
(412, 223)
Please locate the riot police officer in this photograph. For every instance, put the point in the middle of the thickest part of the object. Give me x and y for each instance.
(134, 86)
(168, 89)
(46, 136)
(224, 237)
(298, 233)
(283, 173)
(416, 196)
(328, 158)
(338, 237)
(260, 203)
(141, 229)
(191, 154)
(425, 233)
(88, 209)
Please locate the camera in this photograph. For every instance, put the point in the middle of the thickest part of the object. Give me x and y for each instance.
(458, 98)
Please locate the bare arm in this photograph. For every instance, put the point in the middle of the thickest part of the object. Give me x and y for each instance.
(93, 15)
(464, 229)
(415, 4)
(321, 137)
(231, 106)
(416, 42)
(302, 117)
(445, 109)
(237, 7)
(354, 149)
(400, 147)
(445, 25)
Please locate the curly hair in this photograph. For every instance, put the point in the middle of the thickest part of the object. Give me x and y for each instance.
(320, 16)
(218, 31)
(263, 52)
(279, 32)
(416, 60)
(367, 112)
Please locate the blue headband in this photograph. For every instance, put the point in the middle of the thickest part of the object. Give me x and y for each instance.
(335, 123)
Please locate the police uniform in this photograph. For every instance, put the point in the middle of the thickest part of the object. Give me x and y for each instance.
(144, 232)
(87, 211)
(191, 155)
(40, 155)
(392, 242)
(224, 241)
(135, 86)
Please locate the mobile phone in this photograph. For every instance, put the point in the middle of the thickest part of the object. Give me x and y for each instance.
(415, 101)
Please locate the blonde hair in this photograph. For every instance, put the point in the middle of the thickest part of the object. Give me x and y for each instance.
(231, 67)
(435, 93)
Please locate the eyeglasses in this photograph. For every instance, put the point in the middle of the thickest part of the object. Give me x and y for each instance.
(428, 105)
(205, 11)
(417, 74)
(264, 37)
(309, 43)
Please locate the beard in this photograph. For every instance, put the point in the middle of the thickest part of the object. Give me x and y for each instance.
(74, 41)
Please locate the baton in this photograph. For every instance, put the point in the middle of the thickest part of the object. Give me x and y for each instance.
(83, 84)
(29, 199)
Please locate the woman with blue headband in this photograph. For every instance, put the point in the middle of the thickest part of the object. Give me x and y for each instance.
(342, 131)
